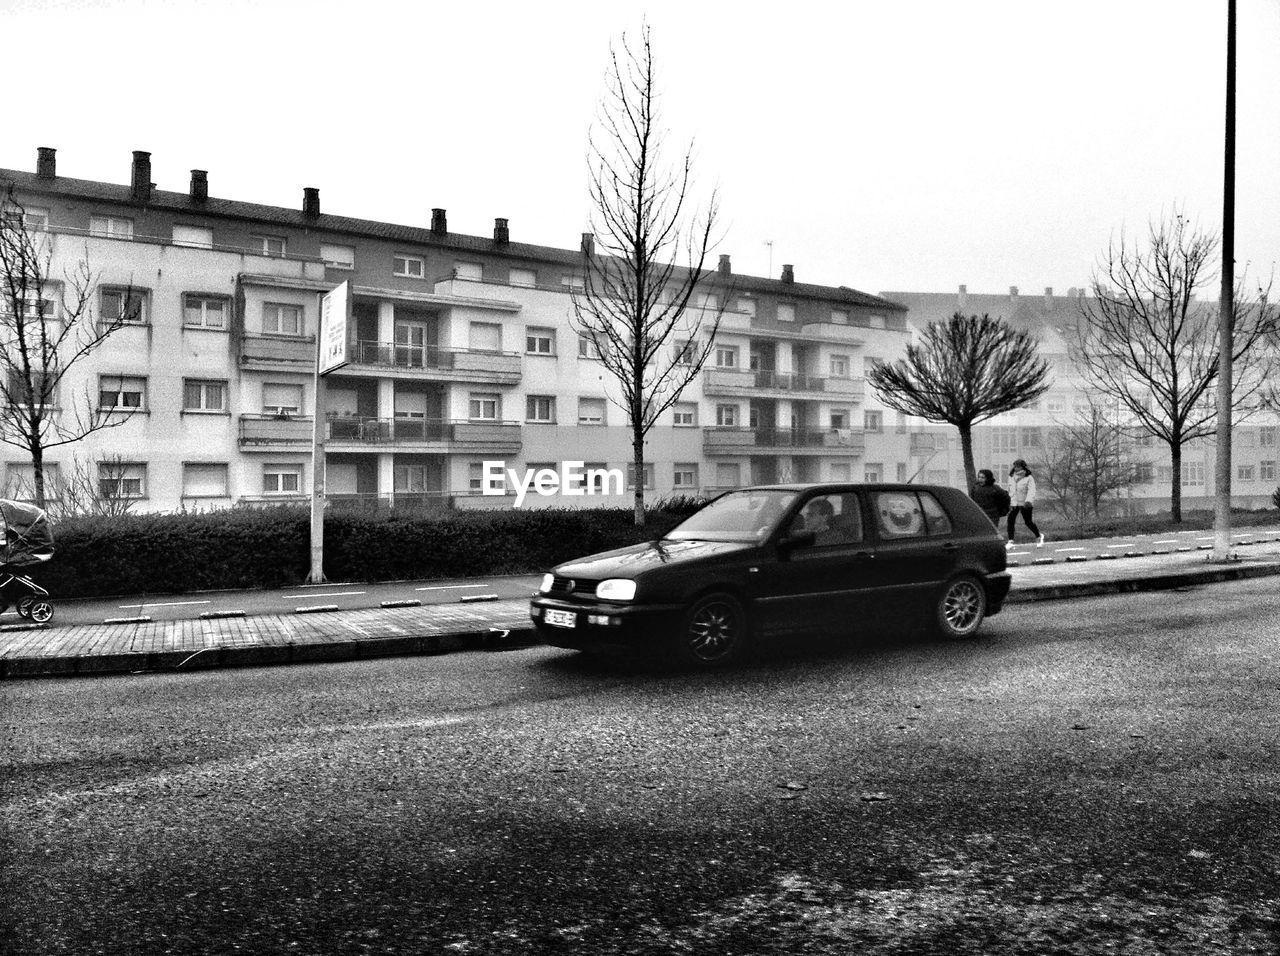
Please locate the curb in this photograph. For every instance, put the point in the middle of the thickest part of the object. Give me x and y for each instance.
(1151, 582)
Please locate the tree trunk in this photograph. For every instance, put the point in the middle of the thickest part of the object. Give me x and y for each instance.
(637, 454)
(1175, 484)
(966, 448)
(37, 465)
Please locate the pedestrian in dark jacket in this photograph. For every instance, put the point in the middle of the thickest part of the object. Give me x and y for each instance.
(990, 497)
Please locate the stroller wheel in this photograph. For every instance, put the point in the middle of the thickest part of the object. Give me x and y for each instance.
(24, 606)
(38, 610)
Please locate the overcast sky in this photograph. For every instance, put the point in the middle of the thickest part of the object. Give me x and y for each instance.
(901, 145)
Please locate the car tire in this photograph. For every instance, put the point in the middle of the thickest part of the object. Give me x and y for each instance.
(714, 632)
(961, 607)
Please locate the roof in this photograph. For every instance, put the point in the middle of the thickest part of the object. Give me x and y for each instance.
(1050, 318)
(180, 202)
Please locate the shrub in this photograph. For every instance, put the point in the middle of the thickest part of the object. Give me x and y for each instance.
(1275, 497)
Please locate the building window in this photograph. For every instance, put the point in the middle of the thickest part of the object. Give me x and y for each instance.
(269, 245)
(1267, 436)
(197, 237)
(1245, 472)
(786, 312)
(201, 480)
(409, 479)
(413, 267)
(1143, 473)
(747, 305)
(205, 312)
(1055, 403)
(279, 398)
(338, 257)
(123, 305)
(631, 476)
(873, 420)
(485, 337)
(483, 406)
(539, 341)
(1145, 440)
(540, 409)
(726, 356)
(727, 416)
(125, 392)
(1267, 470)
(684, 477)
(839, 366)
(876, 321)
(471, 271)
(839, 471)
(839, 418)
(20, 480)
(281, 479)
(111, 227)
(591, 411)
(707, 300)
(684, 414)
(204, 395)
(1032, 438)
(872, 472)
(839, 317)
(523, 278)
(33, 218)
(686, 351)
(1193, 473)
(1004, 441)
(118, 479)
(587, 348)
(902, 471)
(279, 318)
(573, 282)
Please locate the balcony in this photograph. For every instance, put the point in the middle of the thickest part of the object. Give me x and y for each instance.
(803, 441)
(277, 352)
(460, 365)
(420, 434)
(740, 382)
(269, 432)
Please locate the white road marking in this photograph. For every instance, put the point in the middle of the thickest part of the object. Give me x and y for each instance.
(1129, 545)
(330, 594)
(450, 587)
(158, 604)
(1069, 549)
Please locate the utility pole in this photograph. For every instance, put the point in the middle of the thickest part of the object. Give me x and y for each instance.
(1226, 310)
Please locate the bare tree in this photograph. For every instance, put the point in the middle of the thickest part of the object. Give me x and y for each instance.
(965, 370)
(87, 488)
(637, 297)
(47, 326)
(1086, 462)
(1146, 341)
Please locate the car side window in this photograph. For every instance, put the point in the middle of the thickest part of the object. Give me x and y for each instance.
(834, 519)
(936, 520)
(899, 514)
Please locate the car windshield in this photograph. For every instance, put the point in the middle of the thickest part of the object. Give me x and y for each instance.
(738, 516)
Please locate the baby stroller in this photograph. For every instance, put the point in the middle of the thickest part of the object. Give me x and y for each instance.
(26, 540)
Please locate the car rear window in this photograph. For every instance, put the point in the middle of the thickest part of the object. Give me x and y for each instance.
(909, 514)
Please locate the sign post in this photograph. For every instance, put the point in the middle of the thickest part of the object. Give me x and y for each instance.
(331, 354)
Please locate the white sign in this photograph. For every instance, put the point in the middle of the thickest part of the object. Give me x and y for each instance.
(335, 311)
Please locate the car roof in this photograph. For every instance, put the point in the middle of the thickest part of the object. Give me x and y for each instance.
(844, 486)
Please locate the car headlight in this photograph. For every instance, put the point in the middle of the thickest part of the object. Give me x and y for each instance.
(547, 581)
(616, 589)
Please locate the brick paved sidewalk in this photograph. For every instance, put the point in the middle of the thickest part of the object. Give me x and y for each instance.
(32, 650)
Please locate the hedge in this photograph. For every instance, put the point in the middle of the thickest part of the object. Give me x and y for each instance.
(270, 547)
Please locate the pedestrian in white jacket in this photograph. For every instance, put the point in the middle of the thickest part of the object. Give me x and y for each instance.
(1022, 496)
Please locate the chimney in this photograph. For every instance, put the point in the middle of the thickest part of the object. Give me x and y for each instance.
(141, 182)
(439, 224)
(501, 234)
(310, 202)
(724, 268)
(588, 244)
(964, 296)
(199, 185)
(788, 276)
(1048, 297)
(46, 162)
(1013, 291)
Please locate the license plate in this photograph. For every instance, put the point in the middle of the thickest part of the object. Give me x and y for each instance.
(561, 618)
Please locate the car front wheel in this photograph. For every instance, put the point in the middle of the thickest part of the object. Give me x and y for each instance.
(961, 608)
(714, 631)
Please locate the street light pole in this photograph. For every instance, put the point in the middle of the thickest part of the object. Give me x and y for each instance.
(1226, 317)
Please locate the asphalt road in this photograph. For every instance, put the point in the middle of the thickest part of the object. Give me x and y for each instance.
(352, 595)
(1088, 777)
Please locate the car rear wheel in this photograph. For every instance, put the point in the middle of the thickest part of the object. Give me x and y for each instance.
(961, 608)
(714, 631)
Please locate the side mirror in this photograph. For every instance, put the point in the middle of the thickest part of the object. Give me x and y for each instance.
(797, 539)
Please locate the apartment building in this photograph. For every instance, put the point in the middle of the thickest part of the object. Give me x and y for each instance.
(1053, 320)
(462, 351)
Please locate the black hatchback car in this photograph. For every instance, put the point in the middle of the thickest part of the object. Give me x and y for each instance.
(770, 560)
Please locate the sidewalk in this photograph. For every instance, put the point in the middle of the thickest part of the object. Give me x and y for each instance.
(28, 650)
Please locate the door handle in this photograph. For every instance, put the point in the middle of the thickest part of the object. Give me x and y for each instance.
(867, 555)
(951, 546)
